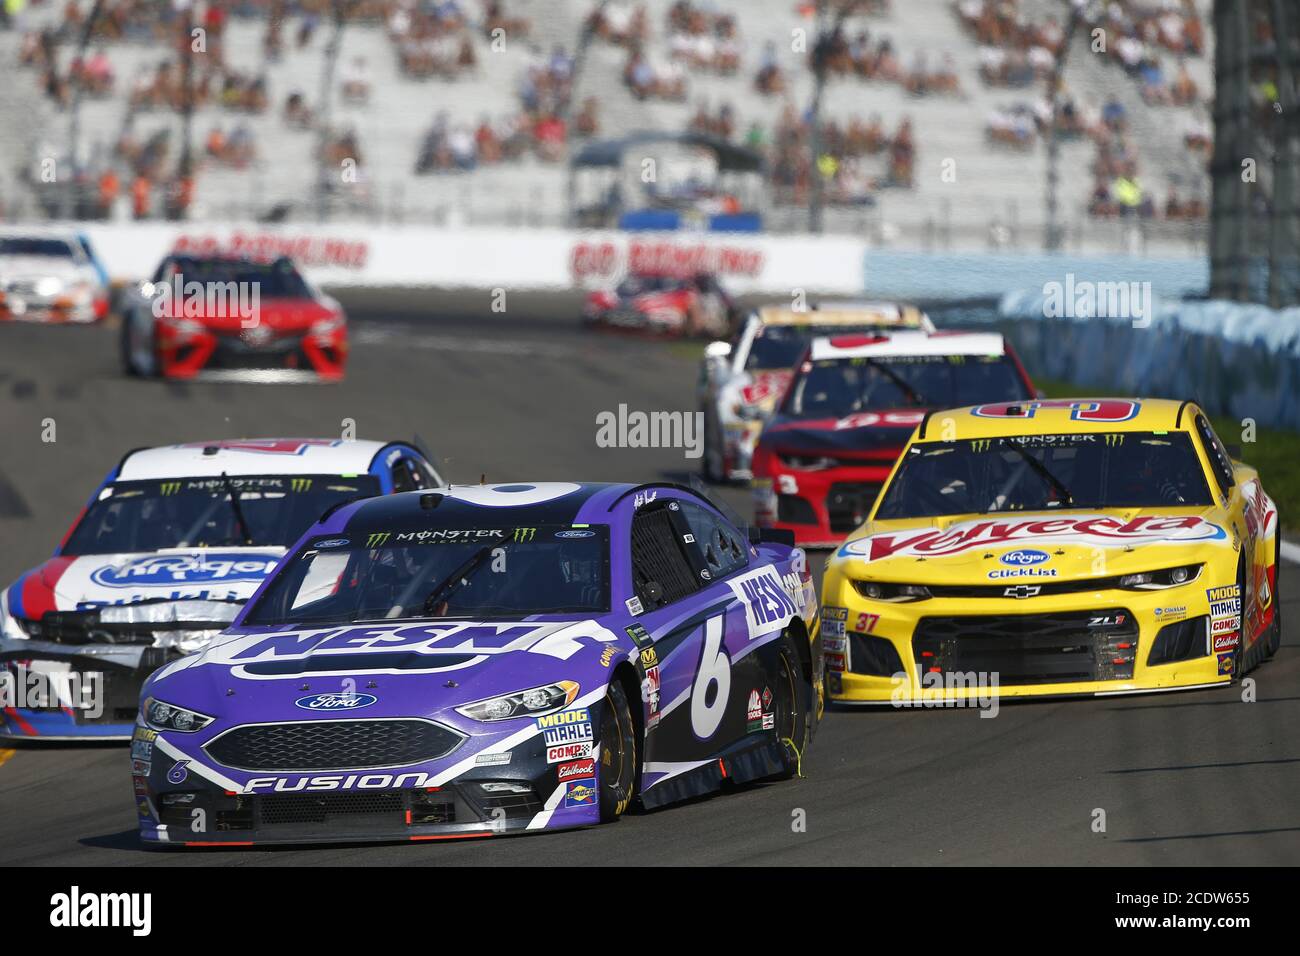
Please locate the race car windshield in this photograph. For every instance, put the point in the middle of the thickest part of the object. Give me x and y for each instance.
(273, 280)
(271, 510)
(441, 572)
(780, 346)
(640, 285)
(836, 388)
(22, 246)
(1086, 471)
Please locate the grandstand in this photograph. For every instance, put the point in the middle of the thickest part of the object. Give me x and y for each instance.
(461, 128)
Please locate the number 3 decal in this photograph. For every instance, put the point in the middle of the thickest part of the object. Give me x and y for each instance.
(715, 669)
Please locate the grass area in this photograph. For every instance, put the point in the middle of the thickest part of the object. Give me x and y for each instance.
(1276, 454)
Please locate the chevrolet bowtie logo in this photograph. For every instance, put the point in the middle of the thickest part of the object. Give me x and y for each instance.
(1022, 591)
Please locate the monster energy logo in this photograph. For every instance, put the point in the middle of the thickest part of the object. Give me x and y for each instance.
(378, 539)
(981, 444)
(170, 487)
(525, 534)
(301, 484)
(1114, 440)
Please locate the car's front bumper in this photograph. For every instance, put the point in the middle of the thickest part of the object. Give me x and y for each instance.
(110, 674)
(1088, 643)
(820, 507)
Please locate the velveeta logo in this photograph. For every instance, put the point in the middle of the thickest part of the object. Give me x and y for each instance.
(1092, 529)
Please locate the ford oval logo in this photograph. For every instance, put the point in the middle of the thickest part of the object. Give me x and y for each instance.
(1025, 557)
(331, 543)
(340, 701)
(575, 534)
(173, 569)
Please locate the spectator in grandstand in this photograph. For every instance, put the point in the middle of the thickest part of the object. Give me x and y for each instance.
(769, 80)
(619, 23)
(354, 84)
(495, 18)
(297, 115)
(587, 122)
(902, 155)
(550, 135)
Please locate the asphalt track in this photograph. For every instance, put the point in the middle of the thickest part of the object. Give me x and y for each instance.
(1190, 778)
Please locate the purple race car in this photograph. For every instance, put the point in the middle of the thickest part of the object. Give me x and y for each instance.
(486, 659)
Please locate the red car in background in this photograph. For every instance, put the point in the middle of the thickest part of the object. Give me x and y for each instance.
(852, 405)
(233, 316)
(667, 305)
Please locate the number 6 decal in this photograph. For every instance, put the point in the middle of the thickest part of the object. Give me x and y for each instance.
(715, 669)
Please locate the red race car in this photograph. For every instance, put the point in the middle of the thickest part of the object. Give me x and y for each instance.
(852, 405)
(667, 305)
(233, 316)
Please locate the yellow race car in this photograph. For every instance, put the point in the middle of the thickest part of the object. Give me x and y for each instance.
(1055, 547)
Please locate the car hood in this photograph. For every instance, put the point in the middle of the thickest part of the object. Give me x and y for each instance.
(409, 668)
(40, 267)
(72, 583)
(1025, 547)
(863, 432)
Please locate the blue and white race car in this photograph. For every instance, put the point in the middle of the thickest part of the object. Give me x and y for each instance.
(161, 558)
(486, 659)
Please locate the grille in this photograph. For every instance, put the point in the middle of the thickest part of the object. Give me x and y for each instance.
(1045, 587)
(873, 655)
(332, 745)
(848, 503)
(791, 509)
(282, 808)
(1030, 648)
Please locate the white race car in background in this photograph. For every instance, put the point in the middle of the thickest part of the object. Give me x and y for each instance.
(162, 557)
(741, 380)
(50, 275)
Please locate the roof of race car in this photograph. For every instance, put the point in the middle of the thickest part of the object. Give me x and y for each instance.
(489, 505)
(251, 456)
(843, 313)
(1061, 416)
(907, 342)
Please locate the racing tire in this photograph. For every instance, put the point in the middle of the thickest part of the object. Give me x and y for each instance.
(1275, 633)
(1245, 661)
(618, 754)
(129, 349)
(712, 471)
(791, 705)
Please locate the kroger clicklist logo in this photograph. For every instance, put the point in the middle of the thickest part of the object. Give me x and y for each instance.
(183, 569)
(1023, 564)
(343, 701)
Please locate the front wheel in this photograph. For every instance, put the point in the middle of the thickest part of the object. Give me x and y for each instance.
(791, 705)
(618, 754)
